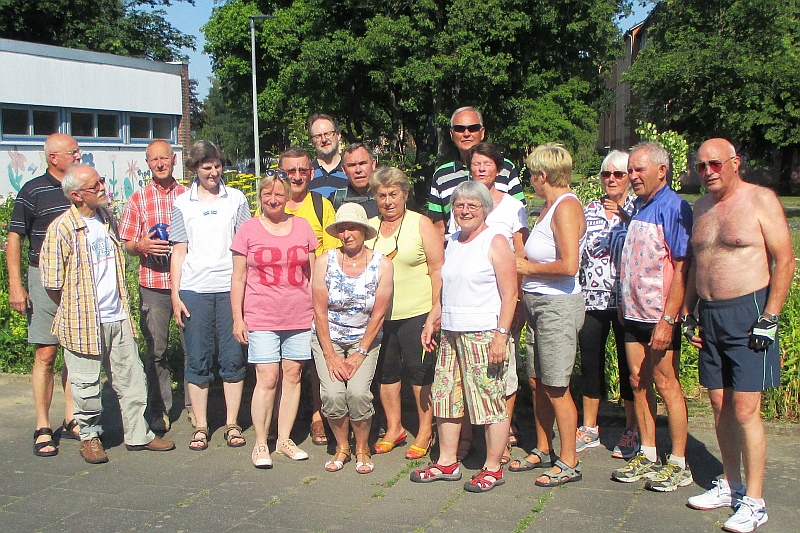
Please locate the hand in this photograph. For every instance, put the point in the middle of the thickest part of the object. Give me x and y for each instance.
(762, 334)
(353, 362)
(240, 330)
(498, 349)
(338, 369)
(662, 336)
(524, 266)
(611, 206)
(18, 299)
(690, 329)
(428, 336)
(179, 310)
(152, 246)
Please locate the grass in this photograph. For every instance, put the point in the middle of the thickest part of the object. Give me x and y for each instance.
(541, 501)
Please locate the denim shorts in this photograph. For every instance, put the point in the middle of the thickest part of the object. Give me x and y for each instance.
(272, 346)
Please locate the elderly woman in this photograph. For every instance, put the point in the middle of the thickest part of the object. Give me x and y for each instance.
(606, 227)
(417, 252)
(273, 256)
(479, 293)
(352, 288)
(204, 221)
(554, 306)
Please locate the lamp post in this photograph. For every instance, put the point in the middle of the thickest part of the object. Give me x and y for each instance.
(256, 144)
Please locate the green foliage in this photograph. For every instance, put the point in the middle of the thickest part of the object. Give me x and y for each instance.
(784, 402)
(674, 143)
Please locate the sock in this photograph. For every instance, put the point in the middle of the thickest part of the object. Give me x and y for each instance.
(593, 429)
(760, 502)
(734, 486)
(650, 452)
(680, 461)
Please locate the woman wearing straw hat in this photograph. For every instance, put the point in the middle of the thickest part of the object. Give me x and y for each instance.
(351, 289)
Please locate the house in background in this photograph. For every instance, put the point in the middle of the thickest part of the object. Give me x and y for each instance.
(113, 106)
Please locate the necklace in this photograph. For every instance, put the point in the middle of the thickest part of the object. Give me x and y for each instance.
(392, 227)
(355, 259)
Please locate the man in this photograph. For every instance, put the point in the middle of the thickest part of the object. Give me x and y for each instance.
(655, 259)
(742, 272)
(328, 174)
(466, 130)
(147, 207)
(83, 270)
(39, 202)
(358, 164)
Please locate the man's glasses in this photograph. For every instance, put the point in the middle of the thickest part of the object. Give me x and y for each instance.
(96, 187)
(472, 128)
(327, 134)
(71, 153)
(301, 171)
(619, 174)
(715, 165)
(271, 173)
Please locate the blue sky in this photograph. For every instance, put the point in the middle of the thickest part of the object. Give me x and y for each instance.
(188, 19)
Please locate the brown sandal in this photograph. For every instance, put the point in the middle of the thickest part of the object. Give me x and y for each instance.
(364, 464)
(318, 435)
(338, 460)
(233, 432)
(199, 436)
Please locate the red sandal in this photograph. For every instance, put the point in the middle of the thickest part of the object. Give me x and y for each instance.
(485, 480)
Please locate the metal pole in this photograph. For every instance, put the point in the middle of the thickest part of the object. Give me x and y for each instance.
(256, 143)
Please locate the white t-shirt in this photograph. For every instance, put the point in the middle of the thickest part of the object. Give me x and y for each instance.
(104, 266)
(507, 217)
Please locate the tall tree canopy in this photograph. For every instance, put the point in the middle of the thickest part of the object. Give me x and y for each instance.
(135, 28)
(394, 71)
(723, 68)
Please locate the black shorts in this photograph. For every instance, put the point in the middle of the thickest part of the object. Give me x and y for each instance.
(726, 361)
(642, 332)
(401, 348)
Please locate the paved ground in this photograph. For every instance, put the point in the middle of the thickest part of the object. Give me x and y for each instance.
(219, 490)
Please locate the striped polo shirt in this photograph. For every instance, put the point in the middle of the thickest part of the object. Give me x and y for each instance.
(39, 202)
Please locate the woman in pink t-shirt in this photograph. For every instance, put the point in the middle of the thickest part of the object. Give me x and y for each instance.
(273, 255)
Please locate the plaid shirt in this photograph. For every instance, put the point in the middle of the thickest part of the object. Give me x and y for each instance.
(147, 207)
(65, 263)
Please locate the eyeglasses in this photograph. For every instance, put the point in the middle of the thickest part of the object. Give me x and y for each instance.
(715, 165)
(619, 174)
(472, 128)
(71, 153)
(472, 208)
(327, 134)
(271, 173)
(301, 171)
(96, 187)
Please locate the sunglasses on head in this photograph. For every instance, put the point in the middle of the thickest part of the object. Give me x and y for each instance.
(472, 128)
(271, 173)
(619, 174)
(715, 165)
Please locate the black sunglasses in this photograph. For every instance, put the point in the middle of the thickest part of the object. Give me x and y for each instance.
(472, 128)
(619, 174)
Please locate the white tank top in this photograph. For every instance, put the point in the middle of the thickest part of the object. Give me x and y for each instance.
(541, 248)
(470, 298)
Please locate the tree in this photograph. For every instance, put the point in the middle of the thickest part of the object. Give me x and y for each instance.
(135, 28)
(392, 72)
(714, 68)
(228, 123)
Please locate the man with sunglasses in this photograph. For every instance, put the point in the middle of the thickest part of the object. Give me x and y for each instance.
(39, 202)
(83, 271)
(466, 130)
(741, 276)
(359, 164)
(325, 136)
(149, 206)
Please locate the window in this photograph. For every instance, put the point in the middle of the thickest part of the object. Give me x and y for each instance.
(150, 127)
(140, 127)
(108, 126)
(15, 122)
(82, 124)
(97, 125)
(45, 122)
(29, 122)
(162, 128)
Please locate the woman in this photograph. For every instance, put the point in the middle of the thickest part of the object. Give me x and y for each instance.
(204, 220)
(273, 255)
(606, 227)
(554, 305)
(352, 288)
(417, 252)
(474, 351)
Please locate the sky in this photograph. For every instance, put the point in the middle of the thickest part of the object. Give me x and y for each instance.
(189, 18)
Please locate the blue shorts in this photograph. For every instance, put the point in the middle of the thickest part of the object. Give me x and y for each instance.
(272, 346)
(725, 360)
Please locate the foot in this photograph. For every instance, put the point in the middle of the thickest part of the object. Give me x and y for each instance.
(637, 468)
(338, 460)
(627, 446)
(70, 430)
(719, 495)
(199, 441)
(318, 435)
(288, 448)
(506, 457)
(436, 472)
(485, 480)
(43, 443)
(535, 459)
(560, 474)
(233, 436)
(261, 457)
(418, 452)
(92, 451)
(388, 444)
(748, 516)
(586, 437)
(669, 478)
(156, 445)
(364, 463)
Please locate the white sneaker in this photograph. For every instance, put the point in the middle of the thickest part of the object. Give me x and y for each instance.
(290, 450)
(261, 457)
(719, 495)
(748, 516)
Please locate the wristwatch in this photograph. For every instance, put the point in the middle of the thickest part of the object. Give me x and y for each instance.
(771, 317)
(669, 320)
(362, 351)
(502, 331)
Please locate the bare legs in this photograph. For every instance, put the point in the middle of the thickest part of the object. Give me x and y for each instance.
(233, 400)
(390, 398)
(42, 385)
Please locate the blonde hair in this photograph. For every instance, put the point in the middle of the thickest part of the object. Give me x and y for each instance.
(267, 182)
(554, 160)
(388, 177)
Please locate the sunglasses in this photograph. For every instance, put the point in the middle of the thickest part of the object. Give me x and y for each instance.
(619, 174)
(715, 165)
(271, 173)
(96, 187)
(472, 128)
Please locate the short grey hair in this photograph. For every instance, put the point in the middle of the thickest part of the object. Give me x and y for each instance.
(473, 190)
(72, 179)
(466, 108)
(657, 154)
(616, 159)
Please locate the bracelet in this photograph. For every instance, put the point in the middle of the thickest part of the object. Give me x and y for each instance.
(362, 351)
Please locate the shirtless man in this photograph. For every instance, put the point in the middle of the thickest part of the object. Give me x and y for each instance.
(741, 275)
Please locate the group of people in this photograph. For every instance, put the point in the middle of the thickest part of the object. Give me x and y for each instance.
(336, 275)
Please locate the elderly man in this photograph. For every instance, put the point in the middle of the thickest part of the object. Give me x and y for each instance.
(655, 260)
(39, 202)
(328, 174)
(83, 270)
(147, 207)
(466, 130)
(358, 164)
(742, 273)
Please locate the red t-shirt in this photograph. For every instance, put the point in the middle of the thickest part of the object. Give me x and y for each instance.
(277, 294)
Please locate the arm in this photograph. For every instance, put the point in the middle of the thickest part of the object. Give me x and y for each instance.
(519, 237)
(319, 293)
(238, 283)
(662, 333)
(689, 323)
(149, 245)
(502, 259)
(179, 251)
(433, 246)
(17, 295)
(569, 225)
(779, 246)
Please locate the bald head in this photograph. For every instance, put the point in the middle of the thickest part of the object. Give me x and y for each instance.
(719, 145)
(718, 166)
(161, 159)
(61, 151)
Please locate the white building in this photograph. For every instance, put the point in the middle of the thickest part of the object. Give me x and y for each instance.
(113, 106)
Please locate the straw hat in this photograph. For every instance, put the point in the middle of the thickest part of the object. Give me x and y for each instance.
(352, 213)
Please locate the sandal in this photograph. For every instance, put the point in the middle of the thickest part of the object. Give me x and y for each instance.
(523, 465)
(338, 460)
(418, 452)
(364, 465)
(566, 475)
(200, 439)
(49, 443)
(506, 458)
(436, 472)
(233, 436)
(318, 435)
(485, 480)
(66, 430)
(385, 446)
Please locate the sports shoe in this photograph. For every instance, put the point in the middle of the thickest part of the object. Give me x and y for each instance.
(261, 457)
(628, 445)
(290, 450)
(748, 516)
(586, 437)
(669, 478)
(637, 468)
(92, 451)
(719, 495)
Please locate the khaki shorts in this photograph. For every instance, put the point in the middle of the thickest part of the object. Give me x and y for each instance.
(552, 336)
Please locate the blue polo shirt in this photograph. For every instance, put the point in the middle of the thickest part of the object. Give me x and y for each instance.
(327, 183)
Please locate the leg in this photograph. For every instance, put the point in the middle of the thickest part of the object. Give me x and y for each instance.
(233, 400)
(747, 406)
(728, 436)
(592, 340)
(567, 420)
(231, 367)
(449, 432)
(42, 385)
(199, 396)
(290, 397)
(665, 376)
(390, 399)
(545, 417)
(422, 397)
(262, 404)
(85, 391)
(155, 313)
(496, 440)
(199, 352)
(642, 385)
